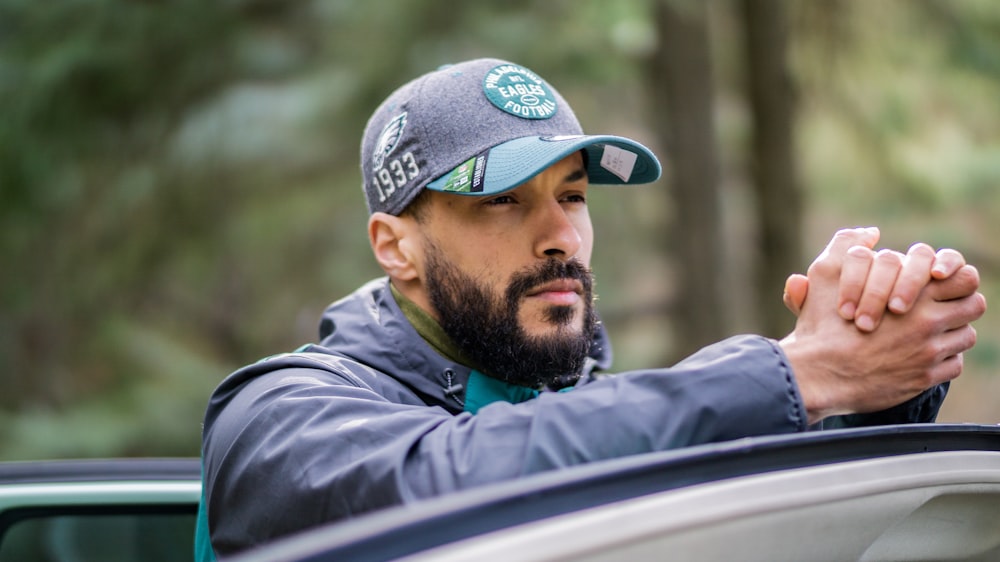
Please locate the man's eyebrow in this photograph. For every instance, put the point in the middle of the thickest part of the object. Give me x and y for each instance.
(576, 175)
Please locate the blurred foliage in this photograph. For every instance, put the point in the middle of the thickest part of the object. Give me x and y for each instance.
(179, 192)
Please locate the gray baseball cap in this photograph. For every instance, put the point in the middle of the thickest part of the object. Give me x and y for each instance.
(482, 127)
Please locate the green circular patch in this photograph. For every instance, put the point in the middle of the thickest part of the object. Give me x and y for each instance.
(520, 92)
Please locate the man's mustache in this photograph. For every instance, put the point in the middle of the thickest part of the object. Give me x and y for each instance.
(552, 270)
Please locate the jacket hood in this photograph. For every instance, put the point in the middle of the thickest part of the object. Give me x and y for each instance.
(369, 326)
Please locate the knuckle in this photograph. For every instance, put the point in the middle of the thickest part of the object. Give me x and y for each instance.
(964, 340)
(951, 368)
(860, 253)
(933, 353)
(823, 267)
(967, 339)
(926, 378)
(950, 253)
(921, 249)
(889, 257)
(970, 274)
(980, 305)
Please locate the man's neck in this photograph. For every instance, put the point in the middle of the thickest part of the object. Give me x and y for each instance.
(481, 389)
(429, 329)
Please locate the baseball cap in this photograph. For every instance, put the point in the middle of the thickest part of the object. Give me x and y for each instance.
(482, 127)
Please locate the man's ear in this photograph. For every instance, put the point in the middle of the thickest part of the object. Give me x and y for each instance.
(393, 240)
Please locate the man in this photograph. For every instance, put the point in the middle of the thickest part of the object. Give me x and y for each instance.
(474, 361)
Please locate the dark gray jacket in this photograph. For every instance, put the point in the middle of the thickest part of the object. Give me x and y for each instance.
(372, 417)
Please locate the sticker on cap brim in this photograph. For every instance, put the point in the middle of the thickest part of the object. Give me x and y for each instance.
(467, 177)
(519, 91)
(618, 161)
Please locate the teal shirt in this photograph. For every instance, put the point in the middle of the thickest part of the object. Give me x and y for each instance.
(203, 551)
(483, 389)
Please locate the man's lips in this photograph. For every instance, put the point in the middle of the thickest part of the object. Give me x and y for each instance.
(562, 291)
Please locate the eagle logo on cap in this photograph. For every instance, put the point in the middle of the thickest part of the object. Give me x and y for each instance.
(387, 140)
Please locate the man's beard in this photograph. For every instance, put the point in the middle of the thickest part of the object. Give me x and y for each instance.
(484, 325)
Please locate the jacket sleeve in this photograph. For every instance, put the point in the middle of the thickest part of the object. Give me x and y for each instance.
(922, 408)
(298, 448)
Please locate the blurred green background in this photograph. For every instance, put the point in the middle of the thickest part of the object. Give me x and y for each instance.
(180, 194)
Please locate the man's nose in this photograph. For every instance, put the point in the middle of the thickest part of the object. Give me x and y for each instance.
(557, 235)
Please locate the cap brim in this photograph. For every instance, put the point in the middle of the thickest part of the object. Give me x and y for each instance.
(611, 160)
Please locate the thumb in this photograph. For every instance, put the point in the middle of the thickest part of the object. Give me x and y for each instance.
(796, 289)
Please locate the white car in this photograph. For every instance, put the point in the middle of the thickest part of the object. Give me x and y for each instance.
(914, 492)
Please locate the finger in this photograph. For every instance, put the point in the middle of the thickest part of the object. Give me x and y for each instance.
(881, 279)
(948, 362)
(913, 277)
(853, 276)
(796, 289)
(947, 370)
(962, 283)
(846, 238)
(955, 342)
(946, 263)
(959, 312)
(940, 317)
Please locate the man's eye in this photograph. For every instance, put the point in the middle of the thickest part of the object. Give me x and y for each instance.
(501, 200)
(576, 199)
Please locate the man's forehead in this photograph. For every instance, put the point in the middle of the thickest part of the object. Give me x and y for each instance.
(578, 158)
(573, 168)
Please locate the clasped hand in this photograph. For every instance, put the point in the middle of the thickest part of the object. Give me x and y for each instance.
(875, 329)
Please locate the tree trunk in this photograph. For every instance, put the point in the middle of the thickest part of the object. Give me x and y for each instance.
(681, 82)
(779, 200)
